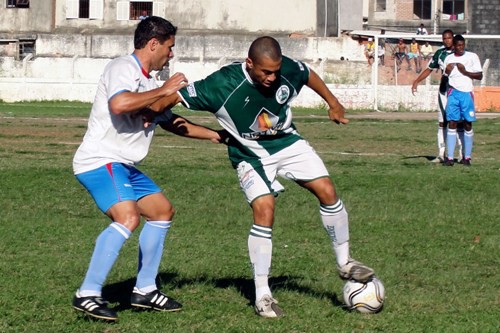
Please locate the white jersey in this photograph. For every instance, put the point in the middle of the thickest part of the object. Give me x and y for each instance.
(471, 63)
(116, 138)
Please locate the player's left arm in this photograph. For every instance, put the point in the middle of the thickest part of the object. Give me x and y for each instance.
(336, 111)
(183, 127)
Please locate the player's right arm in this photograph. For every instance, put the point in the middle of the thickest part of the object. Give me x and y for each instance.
(336, 110)
(129, 101)
(419, 79)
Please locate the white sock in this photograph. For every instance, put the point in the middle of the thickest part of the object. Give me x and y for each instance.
(441, 141)
(260, 249)
(336, 223)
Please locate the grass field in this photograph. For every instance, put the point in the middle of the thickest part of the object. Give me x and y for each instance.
(431, 232)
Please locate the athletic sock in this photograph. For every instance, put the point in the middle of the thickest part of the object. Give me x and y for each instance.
(151, 242)
(468, 143)
(260, 249)
(441, 141)
(461, 143)
(106, 250)
(451, 142)
(336, 223)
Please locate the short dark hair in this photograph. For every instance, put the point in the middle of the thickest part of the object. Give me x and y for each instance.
(447, 31)
(264, 46)
(153, 27)
(458, 38)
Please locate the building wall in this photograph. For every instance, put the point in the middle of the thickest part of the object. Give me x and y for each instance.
(256, 16)
(485, 20)
(39, 17)
(399, 17)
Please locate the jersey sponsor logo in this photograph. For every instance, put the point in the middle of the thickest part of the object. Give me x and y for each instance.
(191, 90)
(266, 123)
(282, 94)
(247, 99)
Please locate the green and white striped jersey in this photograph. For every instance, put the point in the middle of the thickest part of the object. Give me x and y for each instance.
(258, 119)
(437, 60)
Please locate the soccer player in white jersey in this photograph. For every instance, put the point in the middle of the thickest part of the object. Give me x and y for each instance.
(105, 164)
(437, 62)
(251, 101)
(462, 67)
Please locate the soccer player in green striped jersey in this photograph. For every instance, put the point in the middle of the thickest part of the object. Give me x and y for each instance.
(251, 100)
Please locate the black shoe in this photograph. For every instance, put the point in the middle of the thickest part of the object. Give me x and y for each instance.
(449, 162)
(465, 162)
(155, 300)
(95, 307)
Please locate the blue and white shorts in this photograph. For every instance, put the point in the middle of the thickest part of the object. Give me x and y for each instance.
(460, 106)
(116, 182)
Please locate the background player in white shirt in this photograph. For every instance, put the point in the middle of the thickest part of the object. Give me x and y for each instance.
(105, 164)
(462, 67)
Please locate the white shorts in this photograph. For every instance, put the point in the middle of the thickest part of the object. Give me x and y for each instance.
(442, 100)
(299, 162)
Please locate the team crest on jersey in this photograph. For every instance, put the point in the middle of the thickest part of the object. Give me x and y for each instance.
(282, 94)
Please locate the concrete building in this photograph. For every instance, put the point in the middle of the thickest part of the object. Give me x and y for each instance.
(76, 39)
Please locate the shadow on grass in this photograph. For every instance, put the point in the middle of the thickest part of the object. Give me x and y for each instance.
(120, 292)
(427, 157)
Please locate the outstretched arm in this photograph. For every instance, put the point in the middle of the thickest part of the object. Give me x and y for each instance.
(419, 79)
(336, 111)
(183, 127)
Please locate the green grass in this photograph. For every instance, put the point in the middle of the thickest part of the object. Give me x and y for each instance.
(430, 232)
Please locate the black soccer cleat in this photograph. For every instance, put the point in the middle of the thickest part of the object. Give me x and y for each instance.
(449, 162)
(155, 300)
(95, 307)
(465, 162)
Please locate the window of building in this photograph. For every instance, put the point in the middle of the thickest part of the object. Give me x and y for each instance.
(422, 9)
(454, 9)
(84, 9)
(18, 3)
(133, 10)
(140, 9)
(380, 6)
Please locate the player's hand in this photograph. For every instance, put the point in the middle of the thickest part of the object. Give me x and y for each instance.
(449, 68)
(413, 89)
(223, 137)
(147, 116)
(174, 83)
(336, 114)
(461, 68)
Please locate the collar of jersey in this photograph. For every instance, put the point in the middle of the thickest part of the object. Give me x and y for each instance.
(244, 70)
(146, 74)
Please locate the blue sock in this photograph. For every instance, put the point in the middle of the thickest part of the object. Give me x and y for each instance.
(106, 250)
(451, 141)
(468, 142)
(150, 252)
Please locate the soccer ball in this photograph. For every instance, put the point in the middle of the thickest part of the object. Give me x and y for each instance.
(364, 297)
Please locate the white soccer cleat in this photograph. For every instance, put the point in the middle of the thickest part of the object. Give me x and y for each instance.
(438, 159)
(354, 270)
(267, 307)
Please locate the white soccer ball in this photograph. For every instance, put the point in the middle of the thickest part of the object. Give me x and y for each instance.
(364, 297)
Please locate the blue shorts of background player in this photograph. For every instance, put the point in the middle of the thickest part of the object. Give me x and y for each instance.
(116, 182)
(460, 106)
